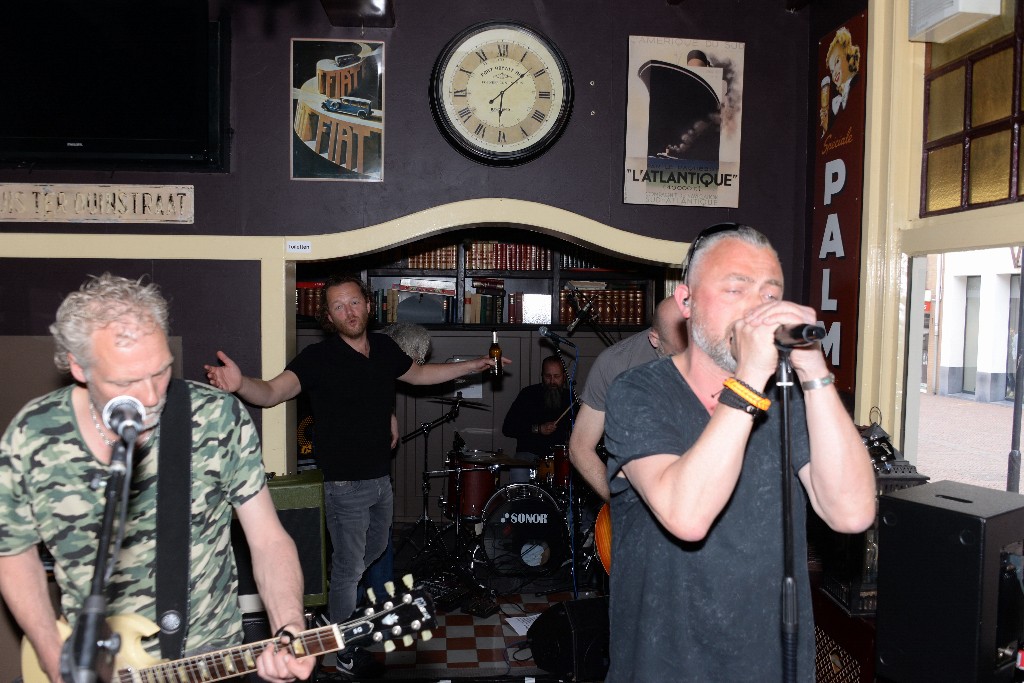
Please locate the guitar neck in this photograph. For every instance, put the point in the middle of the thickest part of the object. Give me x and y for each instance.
(216, 666)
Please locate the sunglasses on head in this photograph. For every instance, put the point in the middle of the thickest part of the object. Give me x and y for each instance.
(703, 235)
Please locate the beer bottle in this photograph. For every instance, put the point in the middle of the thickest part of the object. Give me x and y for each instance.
(495, 353)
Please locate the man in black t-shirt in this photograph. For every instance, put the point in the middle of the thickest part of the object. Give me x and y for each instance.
(350, 379)
(539, 418)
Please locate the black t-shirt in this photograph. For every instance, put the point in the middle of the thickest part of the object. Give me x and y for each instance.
(352, 397)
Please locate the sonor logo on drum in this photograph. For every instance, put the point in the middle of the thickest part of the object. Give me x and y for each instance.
(524, 518)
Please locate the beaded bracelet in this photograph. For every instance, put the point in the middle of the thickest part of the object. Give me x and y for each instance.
(728, 397)
(748, 393)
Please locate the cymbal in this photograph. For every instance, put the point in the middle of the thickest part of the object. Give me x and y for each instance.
(463, 403)
(489, 458)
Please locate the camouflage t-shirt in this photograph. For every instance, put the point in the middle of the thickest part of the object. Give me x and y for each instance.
(52, 490)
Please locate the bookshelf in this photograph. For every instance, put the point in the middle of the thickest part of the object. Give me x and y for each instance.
(488, 277)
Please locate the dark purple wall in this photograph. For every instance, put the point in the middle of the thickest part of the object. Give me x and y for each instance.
(582, 173)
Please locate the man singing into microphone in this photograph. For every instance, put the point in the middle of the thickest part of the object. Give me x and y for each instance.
(55, 459)
(696, 485)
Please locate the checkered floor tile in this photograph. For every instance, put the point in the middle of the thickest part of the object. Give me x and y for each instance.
(484, 645)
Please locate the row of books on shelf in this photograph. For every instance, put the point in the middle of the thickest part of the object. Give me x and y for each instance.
(307, 298)
(507, 256)
(609, 307)
(423, 300)
(441, 258)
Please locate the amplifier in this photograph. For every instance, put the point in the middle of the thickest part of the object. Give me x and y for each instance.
(299, 499)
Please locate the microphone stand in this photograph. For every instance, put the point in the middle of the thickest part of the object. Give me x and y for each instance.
(90, 650)
(790, 616)
(584, 315)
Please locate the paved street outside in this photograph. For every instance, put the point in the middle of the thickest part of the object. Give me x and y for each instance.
(963, 440)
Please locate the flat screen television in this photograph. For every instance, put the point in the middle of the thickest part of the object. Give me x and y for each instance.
(112, 83)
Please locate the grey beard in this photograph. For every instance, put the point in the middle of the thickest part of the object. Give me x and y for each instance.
(717, 350)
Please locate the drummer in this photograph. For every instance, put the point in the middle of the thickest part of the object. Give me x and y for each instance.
(539, 418)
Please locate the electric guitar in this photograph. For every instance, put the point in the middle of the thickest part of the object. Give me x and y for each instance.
(397, 618)
(603, 537)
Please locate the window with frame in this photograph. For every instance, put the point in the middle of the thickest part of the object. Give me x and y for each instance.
(972, 152)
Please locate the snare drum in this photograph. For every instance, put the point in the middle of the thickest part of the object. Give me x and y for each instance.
(474, 484)
(561, 468)
(525, 532)
(554, 470)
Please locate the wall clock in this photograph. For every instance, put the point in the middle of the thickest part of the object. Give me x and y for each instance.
(501, 93)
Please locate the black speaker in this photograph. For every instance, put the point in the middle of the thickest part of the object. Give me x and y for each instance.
(571, 639)
(949, 592)
(299, 500)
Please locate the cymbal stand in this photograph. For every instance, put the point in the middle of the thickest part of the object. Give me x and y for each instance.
(432, 535)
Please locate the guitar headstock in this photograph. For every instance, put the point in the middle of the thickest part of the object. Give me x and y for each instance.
(399, 616)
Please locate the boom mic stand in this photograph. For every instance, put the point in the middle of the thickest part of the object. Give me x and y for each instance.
(89, 651)
(583, 314)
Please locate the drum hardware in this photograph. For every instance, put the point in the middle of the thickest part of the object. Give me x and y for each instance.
(432, 539)
(476, 405)
(491, 458)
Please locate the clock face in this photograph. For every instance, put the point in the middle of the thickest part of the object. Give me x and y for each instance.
(501, 93)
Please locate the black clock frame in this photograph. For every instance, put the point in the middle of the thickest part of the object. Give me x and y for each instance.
(455, 136)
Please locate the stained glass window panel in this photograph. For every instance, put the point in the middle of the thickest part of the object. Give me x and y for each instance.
(992, 91)
(946, 105)
(944, 173)
(990, 168)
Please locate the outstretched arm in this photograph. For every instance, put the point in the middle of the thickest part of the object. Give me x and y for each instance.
(258, 392)
(439, 373)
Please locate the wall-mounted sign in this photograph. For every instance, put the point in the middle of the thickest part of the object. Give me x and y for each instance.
(838, 193)
(42, 202)
(683, 122)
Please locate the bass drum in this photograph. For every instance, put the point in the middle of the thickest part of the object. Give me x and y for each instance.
(525, 532)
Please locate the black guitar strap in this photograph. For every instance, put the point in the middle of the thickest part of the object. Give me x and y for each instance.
(174, 502)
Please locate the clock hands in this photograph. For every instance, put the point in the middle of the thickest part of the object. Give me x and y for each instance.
(502, 93)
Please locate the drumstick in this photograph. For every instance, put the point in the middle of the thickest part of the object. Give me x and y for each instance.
(559, 418)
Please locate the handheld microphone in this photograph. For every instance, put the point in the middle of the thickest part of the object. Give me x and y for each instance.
(581, 313)
(124, 415)
(795, 336)
(545, 332)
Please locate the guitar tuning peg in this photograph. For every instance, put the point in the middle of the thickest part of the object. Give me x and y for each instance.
(407, 640)
(389, 646)
(426, 635)
(407, 580)
(372, 595)
(389, 586)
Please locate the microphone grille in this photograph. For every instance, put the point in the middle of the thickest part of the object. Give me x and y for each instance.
(543, 331)
(118, 403)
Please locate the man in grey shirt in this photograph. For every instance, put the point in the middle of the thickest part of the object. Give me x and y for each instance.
(665, 337)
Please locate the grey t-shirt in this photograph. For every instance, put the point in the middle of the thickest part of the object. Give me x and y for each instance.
(708, 610)
(613, 361)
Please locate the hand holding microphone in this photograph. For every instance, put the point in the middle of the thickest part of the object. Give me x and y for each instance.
(796, 336)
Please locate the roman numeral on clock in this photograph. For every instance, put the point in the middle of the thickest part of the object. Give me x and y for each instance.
(538, 116)
(465, 113)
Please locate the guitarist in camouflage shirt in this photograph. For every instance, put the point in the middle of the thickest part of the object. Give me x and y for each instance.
(54, 458)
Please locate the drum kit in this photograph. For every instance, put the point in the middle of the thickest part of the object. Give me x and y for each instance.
(524, 529)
